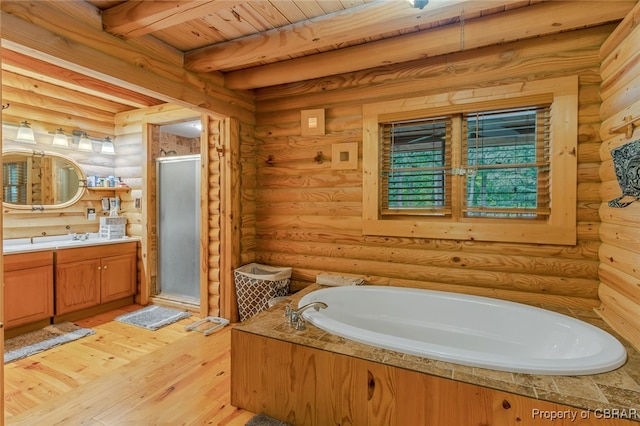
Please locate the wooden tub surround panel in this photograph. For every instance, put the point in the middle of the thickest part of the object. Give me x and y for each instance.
(311, 377)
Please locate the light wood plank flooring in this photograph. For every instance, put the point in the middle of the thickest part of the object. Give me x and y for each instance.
(125, 375)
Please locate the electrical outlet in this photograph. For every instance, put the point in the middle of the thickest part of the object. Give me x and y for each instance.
(91, 214)
(138, 203)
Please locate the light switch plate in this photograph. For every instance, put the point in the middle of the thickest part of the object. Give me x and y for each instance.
(312, 122)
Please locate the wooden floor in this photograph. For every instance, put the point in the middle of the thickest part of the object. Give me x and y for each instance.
(125, 375)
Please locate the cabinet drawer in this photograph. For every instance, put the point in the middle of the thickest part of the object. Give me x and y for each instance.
(14, 262)
(93, 252)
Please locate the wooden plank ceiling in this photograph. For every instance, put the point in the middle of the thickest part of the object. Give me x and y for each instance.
(253, 44)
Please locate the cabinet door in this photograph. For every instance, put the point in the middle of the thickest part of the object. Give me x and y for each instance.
(28, 295)
(77, 285)
(118, 277)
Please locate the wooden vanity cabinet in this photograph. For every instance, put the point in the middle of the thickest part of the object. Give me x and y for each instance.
(28, 287)
(89, 276)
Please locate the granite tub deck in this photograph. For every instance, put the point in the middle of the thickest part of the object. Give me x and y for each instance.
(617, 391)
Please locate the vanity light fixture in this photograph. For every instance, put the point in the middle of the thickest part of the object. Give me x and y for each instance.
(107, 147)
(85, 143)
(60, 139)
(25, 133)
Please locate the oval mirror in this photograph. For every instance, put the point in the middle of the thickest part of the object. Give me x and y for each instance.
(39, 179)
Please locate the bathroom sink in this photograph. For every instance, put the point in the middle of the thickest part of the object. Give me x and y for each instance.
(91, 241)
(66, 243)
(55, 242)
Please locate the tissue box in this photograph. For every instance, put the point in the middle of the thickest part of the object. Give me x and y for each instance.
(113, 227)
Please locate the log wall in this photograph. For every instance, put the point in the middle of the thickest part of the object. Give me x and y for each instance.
(619, 268)
(308, 215)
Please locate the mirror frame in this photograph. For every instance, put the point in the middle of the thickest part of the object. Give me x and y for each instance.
(82, 179)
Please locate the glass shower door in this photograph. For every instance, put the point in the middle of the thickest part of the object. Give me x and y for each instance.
(178, 227)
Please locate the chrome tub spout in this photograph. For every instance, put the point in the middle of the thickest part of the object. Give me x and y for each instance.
(295, 317)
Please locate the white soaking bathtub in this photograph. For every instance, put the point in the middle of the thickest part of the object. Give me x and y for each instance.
(468, 330)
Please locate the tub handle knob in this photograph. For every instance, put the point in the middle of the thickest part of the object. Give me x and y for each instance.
(288, 311)
(299, 325)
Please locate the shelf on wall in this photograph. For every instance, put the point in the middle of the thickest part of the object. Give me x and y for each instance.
(109, 188)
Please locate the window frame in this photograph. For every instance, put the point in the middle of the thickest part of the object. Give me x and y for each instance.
(558, 228)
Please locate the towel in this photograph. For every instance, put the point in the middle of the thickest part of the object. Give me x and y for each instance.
(337, 280)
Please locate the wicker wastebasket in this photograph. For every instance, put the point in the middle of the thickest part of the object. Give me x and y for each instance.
(256, 284)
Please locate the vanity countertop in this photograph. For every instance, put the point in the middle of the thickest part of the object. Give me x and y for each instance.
(58, 242)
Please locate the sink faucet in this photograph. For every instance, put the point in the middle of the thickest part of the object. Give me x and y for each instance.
(295, 316)
(83, 237)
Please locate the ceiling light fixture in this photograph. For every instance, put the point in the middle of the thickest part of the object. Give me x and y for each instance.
(107, 147)
(25, 133)
(60, 139)
(85, 143)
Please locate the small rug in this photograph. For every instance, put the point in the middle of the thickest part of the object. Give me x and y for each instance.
(264, 420)
(153, 317)
(40, 340)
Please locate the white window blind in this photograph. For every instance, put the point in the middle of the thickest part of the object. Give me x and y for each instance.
(415, 167)
(506, 157)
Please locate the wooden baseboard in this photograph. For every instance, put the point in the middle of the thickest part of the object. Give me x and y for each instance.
(94, 310)
(22, 329)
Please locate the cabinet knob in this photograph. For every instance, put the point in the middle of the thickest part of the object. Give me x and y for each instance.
(104, 267)
(99, 267)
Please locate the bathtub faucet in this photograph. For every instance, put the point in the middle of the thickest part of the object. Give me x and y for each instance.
(295, 316)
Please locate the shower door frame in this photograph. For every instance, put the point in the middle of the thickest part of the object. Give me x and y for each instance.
(158, 290)
(225, 248)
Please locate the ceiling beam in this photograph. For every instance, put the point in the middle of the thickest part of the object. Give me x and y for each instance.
(532, 21)
(44, 71)
(137, 18)
(336, 28)
(168, 83)
(68, 107)
(18, 79)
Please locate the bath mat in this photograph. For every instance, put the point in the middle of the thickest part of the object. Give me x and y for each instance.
(264, 420)
(153, 317)
(40, 340)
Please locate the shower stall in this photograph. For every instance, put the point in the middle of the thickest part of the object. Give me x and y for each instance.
(178, 228)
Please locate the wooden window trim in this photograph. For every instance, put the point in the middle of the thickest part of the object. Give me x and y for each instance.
(558, 228)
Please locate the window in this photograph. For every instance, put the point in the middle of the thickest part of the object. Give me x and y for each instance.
(506, 160)
(15, 184)
(416, 166)
(481, 168)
